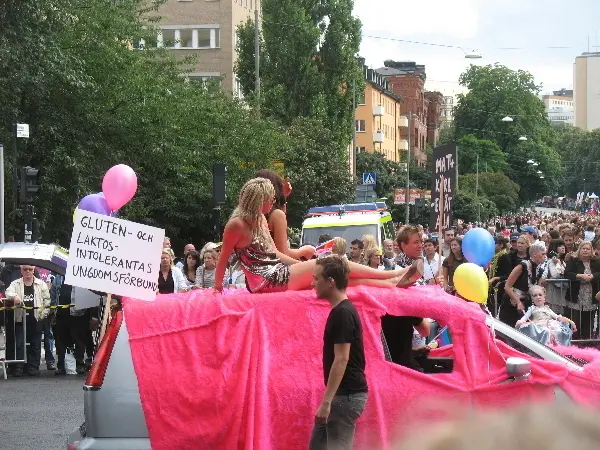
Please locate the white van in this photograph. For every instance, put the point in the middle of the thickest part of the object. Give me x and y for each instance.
(350, 222)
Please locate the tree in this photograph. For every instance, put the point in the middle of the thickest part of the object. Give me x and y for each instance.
(580, 153)
(494, 93)
(68, 69)
(390, 175)
(309, 62)
(491, 158)
(318, 180)
(465, 207)
(496, 187)
(447, 134)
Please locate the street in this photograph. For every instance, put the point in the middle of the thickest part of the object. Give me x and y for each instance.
(38, 413)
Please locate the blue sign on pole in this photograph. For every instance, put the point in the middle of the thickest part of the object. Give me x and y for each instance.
(369, 179)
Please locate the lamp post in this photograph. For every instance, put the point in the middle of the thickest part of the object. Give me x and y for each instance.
(477, 187)
(409, 117)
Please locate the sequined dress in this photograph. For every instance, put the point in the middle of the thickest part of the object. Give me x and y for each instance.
(263, 269)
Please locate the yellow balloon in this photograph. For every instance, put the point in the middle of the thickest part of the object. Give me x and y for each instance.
(471, 282)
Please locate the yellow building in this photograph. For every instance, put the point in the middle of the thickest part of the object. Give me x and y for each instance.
(378, 119)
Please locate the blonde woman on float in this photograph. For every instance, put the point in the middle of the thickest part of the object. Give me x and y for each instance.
(267, 269)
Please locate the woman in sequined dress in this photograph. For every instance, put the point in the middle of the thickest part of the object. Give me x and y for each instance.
(269, 270)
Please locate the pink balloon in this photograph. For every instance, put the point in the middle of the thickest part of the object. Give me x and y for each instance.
(119, 186)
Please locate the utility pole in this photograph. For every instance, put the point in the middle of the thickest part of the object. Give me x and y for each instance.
(408, 168)
(14, 177)
(1, 194)
(477, 186)
(353, 154)
(257, 61)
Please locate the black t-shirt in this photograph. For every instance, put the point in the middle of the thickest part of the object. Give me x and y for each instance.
(344, 327)
(166, 286)
(28, 299)
(452, 268)
(398, 332)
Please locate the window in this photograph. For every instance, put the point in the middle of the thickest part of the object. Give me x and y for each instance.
(348, 232)
(361, 126)
(168, 38)
(204, 38)
(185, 39)
(397, 330)
(360, 98)
(189, 37)
(360, 150)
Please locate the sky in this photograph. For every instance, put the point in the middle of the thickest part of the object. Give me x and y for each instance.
(486, 27)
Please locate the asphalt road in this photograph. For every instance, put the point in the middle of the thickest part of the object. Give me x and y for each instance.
(37, 413)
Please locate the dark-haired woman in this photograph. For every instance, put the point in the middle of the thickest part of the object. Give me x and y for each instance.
(277, 218)
(190, 266)
(451, 263)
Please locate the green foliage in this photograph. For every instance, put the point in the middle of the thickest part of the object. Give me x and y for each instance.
(390, 175)
(494, 93)
(319, 178)
(67, 69)
(495, 187)
(447, 134)
(465, 207)
(490, 155)
(308, 62)
(580, 153)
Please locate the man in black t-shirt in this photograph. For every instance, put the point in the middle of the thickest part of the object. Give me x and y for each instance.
(346, 389)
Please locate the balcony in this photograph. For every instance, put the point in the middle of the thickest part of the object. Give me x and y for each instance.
(378, 110)
(379, 137)
(403, 145)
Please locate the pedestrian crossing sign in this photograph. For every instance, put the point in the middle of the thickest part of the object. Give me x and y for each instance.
(369, 179)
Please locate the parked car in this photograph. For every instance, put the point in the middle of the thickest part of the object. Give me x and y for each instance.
(493, 365)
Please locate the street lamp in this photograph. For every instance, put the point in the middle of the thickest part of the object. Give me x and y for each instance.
(523, 138)
(539, 172)
(407, 121)
(507, 119)
(473, 54)
(535, 164)
(531, 161)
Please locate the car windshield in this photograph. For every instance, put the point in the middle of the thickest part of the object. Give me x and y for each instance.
(311, 236)
(530, 349)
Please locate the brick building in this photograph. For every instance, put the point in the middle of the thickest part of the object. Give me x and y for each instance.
(407, 80)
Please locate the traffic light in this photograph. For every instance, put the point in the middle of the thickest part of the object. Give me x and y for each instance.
(29, 185)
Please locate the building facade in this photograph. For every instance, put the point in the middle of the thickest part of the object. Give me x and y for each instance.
(206, 29)
(559, 107)
(407, 80)
(447, 111)
(586, 84)
(378, 119)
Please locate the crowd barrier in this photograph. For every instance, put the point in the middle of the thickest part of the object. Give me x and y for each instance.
(8, 320)
(586, 321)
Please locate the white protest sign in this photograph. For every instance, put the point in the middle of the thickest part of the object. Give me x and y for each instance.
(114, 255)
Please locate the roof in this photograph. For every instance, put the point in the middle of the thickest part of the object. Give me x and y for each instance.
(344, 219)
(51, 257)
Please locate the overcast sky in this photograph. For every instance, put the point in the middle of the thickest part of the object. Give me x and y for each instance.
(484, 26)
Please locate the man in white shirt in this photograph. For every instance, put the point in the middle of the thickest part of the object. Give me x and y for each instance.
(433, 262)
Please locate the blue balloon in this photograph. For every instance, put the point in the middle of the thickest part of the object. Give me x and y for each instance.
(478, 246)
